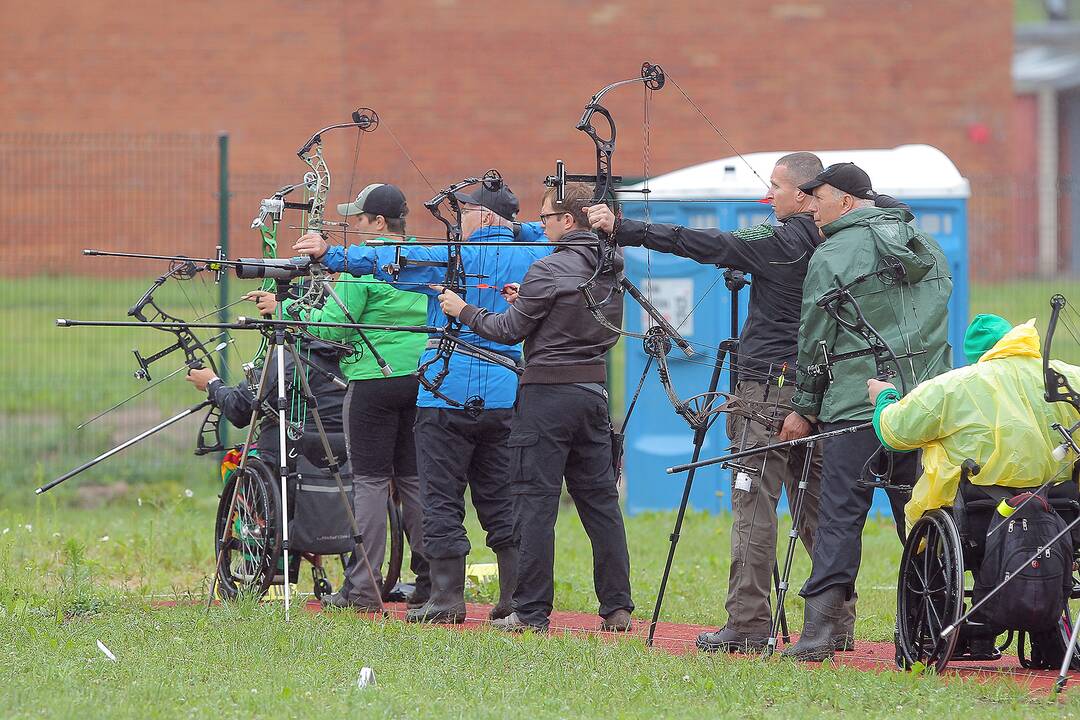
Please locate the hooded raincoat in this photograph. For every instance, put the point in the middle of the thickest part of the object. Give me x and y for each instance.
(911, 314)
(992, 412)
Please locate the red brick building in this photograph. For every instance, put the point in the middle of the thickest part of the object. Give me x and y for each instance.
(465, 86)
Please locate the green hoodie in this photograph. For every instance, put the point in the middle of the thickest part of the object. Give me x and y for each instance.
(373, 302)
(912, 315)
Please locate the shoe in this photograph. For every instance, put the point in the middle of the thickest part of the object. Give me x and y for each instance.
(512, 623)
(508, 572)
(337, 600)
(732, 641)
(447, 601)
(823, 620)
(844, 641)
(618, 621)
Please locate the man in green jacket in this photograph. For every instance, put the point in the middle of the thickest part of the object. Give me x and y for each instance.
(875, 272)
(379, 411)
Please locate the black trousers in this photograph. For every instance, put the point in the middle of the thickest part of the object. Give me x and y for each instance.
(844, 505)
(563, 431)
(453, 451)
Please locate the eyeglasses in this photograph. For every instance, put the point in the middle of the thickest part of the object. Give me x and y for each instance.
(545, 216)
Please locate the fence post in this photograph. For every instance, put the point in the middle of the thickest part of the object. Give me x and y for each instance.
(223, 241)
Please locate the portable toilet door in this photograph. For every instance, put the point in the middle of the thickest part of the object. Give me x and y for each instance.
(728, 194)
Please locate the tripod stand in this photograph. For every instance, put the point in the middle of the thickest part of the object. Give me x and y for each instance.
(281, 340)
(735, 281)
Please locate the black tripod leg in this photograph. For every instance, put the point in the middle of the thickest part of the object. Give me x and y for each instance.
(699, 441)
(783, 613)
(793, 535)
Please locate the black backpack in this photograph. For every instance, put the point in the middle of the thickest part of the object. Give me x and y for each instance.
(1035, 600)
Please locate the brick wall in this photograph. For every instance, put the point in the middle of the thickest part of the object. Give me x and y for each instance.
(465, 86)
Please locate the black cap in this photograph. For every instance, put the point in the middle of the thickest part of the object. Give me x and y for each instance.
(848, 177)
(377, 199)
(503, 202)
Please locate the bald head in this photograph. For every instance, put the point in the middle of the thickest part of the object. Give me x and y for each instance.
(791, 171)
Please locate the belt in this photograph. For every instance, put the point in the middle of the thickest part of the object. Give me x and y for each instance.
(594, 388)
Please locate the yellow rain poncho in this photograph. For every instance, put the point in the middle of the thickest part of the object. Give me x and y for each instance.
(992, 412)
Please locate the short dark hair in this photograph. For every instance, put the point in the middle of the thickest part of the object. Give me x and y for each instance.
(804, 166)
(576, 196)
(395, 225)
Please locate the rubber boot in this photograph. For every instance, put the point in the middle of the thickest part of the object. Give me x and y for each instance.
(844, 641)
(422, 588)
(447, 601)
(823, 620)
(508, 574)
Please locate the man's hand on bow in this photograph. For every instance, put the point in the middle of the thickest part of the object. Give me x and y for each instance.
(201, 377)
(795, 427)
(265, 301)
(312, 244)
(601, 218)
(451, 302)
(510, 292)
(875, 386)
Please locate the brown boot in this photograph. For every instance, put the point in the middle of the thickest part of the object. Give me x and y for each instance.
(618, 621)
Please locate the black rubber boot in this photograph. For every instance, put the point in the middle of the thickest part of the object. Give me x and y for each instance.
(447, 601)
(844, 641)
(508, 574)
(823, 620)
(421, 589)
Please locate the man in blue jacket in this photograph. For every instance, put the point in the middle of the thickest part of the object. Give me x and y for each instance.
(463, 426)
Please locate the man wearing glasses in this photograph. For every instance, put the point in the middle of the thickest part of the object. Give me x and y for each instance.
(561, 428)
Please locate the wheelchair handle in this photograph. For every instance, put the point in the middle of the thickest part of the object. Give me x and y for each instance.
(969, 469)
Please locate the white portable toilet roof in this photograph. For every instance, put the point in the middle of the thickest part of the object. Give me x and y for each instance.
(907, 171)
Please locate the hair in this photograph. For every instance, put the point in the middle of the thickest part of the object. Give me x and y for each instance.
(395, 225)
(576, 197)
(804, 166)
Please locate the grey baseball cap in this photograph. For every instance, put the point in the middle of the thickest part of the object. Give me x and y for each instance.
(377, 199)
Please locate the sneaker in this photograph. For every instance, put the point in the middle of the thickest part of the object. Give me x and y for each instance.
(618, 621)
(512, 623)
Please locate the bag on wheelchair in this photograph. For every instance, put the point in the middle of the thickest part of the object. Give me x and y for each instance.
(1033, 601)
(319, 521)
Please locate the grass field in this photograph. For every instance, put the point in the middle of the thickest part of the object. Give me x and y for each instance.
(72, 574)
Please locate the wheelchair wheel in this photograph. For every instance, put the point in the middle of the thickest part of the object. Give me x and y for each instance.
(930, 592)
(251, 532)
(395, 546)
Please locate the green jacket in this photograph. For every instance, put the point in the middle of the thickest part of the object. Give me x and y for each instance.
(912, 314)
(373, 302)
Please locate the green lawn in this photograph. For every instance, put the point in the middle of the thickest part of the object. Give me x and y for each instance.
(72, 574)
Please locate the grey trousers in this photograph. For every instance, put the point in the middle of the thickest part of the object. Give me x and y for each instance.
(753, 530)
(369, 504)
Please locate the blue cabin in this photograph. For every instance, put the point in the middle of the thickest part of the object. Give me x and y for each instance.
(727, 194)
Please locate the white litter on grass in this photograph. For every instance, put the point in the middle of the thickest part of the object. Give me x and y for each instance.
(188, 493)
(367, 677)
(107, 651)
(104, 538)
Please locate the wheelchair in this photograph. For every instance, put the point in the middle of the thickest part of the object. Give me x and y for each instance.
(941, 554)
(248, 541)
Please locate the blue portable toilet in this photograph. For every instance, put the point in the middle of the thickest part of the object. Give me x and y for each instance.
(727, 194)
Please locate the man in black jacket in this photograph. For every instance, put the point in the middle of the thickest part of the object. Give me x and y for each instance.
(561, 428)
(776, 257)
(238, 401)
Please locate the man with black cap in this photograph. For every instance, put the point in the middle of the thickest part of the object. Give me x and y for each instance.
(876, 269)
(463, 426)
(561, 428)
(777, 256)
(380, 409)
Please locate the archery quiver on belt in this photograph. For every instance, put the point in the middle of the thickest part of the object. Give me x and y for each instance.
(1035, 599)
